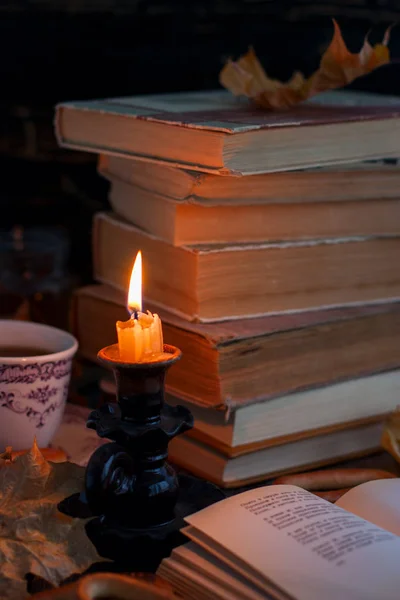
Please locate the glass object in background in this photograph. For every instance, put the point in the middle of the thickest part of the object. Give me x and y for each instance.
(32, 273)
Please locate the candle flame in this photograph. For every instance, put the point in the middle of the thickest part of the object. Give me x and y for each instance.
(135, 286)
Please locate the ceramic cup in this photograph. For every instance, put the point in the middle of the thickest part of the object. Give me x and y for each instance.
(34, 389)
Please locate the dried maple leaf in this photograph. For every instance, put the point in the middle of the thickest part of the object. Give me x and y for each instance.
(338, 67)
(34, 536)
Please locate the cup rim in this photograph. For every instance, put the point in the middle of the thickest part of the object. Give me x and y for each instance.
(40, 358)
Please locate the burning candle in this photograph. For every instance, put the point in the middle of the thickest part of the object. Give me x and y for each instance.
(139, 338)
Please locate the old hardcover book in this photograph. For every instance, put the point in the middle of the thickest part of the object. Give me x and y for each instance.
(217, 281)
(234, 364)
(187, 223)
(281, 542)
(213, 131)
(318, 411)
(356, 181)
(308, 453)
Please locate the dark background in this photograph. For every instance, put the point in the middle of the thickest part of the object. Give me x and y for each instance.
(60, 50)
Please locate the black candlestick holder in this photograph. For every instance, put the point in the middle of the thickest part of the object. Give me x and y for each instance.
(129, 481)
(135, 495)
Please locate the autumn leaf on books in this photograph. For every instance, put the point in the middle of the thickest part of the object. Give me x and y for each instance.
(338, 67)
(34, 536)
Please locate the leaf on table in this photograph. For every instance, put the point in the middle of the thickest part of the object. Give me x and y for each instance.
(34, 536)
(338, 67)
(391, 435)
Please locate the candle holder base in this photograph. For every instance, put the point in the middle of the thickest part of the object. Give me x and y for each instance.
(142, 549)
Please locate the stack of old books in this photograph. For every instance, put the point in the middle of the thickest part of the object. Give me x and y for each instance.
(270, 245)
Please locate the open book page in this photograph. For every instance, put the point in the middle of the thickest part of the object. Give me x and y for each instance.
(308, 547)
(377, 502)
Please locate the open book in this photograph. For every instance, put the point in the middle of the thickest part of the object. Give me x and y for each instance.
(282, 542)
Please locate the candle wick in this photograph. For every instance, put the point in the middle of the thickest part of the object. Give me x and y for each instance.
(134, 312)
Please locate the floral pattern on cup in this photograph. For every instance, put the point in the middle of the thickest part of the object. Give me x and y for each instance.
(42, 394)
(38, 403)
(33, 372)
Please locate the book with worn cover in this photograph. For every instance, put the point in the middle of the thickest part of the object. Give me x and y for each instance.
(369, 180)
(278, 458)
(314, 412)
(220, 282)
(241, 363)
(213, 131)
(190, 223)
(283, 543)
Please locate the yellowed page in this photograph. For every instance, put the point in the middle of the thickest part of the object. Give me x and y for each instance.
(305, 545)
(192, 585)
(377, 502)
(207, 572)
(231, 561)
